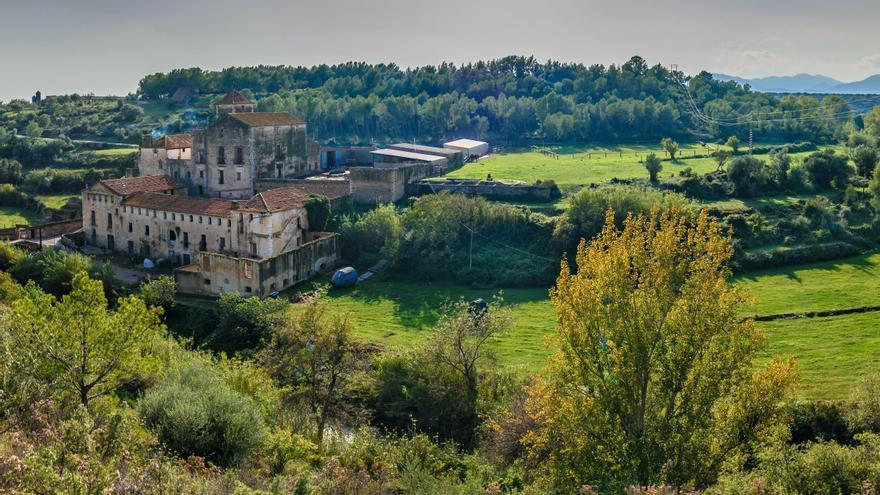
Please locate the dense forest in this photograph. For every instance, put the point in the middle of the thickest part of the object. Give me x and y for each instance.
(515, 100)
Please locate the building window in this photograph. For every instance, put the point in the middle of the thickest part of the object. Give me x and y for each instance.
(109, 221)
(222, 243)
(165, 215)
(200, 219)
(239, 155)
(201, 174)
(238, 176)
(220, 179)
(146, 230)
(172, 235)
(185, 240)
(254, 248)
(221, 155)
(94, 222)
(210, 221)
(129, 227)
(203, 243)
(200, 157)
(188, 174)
(279, 152)
(190, 218)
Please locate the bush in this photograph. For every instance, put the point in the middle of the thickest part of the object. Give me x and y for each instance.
(318, 212)
(863, 413)
(159, 292)
(244, 321)
(795, 256)
(826, 169)
(53, 271)
(378, 233)
(748, 175)
(194, 412)
(10, 256)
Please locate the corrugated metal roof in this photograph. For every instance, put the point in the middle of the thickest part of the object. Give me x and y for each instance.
(428, 150)
(408, 155)
(466, 143)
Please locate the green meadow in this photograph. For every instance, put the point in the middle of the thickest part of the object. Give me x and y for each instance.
(398, 313)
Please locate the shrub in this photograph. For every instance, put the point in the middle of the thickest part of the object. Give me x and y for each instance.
(10, 255)
(378, 233)
(194, 412)
(795, 256)
(318, 211)
(159, 292)
(244, 321)
(748, 175)
(826, 169)
(863, 413)
(53, 271)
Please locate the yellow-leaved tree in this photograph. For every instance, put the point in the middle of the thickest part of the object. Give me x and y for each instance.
(655, 380)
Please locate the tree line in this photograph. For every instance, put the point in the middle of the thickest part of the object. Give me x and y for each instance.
(514, 99)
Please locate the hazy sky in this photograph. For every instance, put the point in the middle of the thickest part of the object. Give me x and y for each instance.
(106, 46)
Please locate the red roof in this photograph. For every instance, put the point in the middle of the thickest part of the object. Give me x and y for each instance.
(174, 142)
(233, 98)
(285, 198)
(181, 204)
(147, 183)
(266, 119)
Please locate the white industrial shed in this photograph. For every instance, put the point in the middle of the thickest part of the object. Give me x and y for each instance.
(469, 147)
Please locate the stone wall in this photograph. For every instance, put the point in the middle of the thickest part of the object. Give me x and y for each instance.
(386, 184)
(214, 273)
(488, 189)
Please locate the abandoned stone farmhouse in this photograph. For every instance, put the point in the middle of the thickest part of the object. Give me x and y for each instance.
(195, 206)
(226, 204)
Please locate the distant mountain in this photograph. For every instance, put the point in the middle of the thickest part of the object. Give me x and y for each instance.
(800, 83)
(870, 85)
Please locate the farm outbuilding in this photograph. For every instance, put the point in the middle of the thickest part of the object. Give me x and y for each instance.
(398, 156)
(455, 157)
(469, 147)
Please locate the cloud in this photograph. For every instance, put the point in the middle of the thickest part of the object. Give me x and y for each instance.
(870, 62)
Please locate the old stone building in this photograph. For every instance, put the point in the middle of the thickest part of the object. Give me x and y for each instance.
(253, 246)
(237, 148)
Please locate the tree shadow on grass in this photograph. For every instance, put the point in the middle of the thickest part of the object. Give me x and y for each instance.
(418, 304)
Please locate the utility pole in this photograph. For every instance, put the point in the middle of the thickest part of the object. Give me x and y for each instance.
(751, 139)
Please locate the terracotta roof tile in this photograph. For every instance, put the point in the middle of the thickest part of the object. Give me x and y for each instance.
(181, 204)
(285, 198)
(266, 119)
(174, 141)
(148, 183)
(234, 97)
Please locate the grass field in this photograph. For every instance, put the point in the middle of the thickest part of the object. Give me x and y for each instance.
(832, 352)
(10, 216)
(55, 201)
(844, 283)
(575, 166)
(115, 151)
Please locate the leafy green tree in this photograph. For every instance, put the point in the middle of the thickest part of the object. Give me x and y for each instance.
(316, 357)
(863, 410)
(10, 171)
(874, 189)
(733, 143)
(653, 165)
(318, 211)
(194, 412)
(243, 322)
(748, 175)
(721, 158)
(826, 168)
(670, 146)
(656, 379)
(33, 129)
(866, 159)
(79, 345)
(780, 165)
(159, 292)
